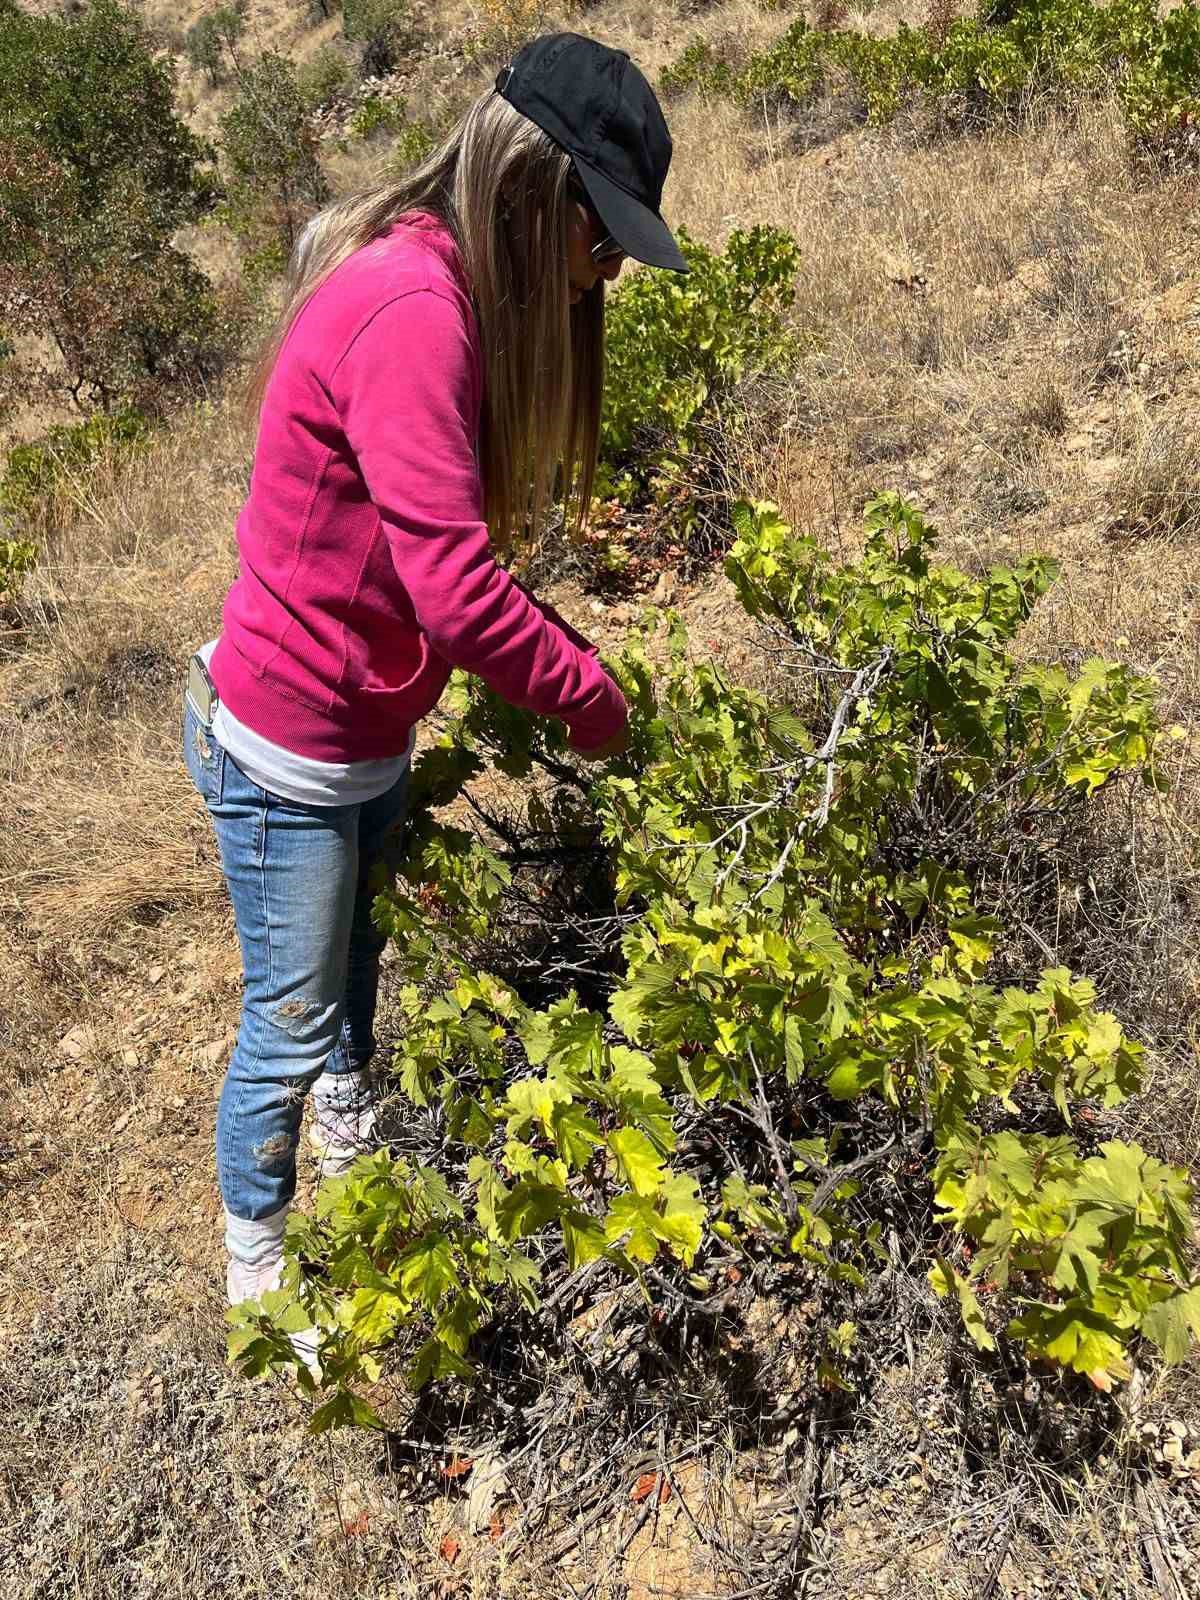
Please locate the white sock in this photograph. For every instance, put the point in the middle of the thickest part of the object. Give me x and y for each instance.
(254, 1241)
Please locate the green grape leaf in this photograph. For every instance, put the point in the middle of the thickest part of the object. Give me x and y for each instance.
(344, 1410)
(427, 1269)
(1174, 1323)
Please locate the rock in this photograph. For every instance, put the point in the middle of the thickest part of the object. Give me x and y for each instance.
(155, 974)
(489, 1482)
(129, 1057)
(77, 1041)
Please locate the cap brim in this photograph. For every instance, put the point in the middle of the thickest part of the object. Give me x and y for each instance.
(640, 232)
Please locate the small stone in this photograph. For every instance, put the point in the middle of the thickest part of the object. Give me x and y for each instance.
(76, 1041)
(129, 1057)
(155, 974)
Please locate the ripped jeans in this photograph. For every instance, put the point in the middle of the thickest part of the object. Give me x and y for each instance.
(298, 877)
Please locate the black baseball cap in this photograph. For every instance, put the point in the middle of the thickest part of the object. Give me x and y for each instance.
(598, 107)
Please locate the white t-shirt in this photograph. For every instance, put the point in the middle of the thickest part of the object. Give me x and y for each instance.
(283, 772)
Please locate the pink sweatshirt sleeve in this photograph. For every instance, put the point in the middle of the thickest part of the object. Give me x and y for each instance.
(405, 392)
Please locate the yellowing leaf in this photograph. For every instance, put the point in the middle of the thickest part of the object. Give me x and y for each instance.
(638, 1161)
(533, 1100)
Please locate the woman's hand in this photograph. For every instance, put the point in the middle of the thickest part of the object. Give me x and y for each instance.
(616, 746)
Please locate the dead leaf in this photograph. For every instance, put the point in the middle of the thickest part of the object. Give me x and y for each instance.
(645, 1485)
(358, 1524)
(664, 1491)
(457, 1467)
(449, 1548)
(495, 1527)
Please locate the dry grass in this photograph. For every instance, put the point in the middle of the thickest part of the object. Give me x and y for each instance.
(1005, 328)
(1157, 493)
(104, 829)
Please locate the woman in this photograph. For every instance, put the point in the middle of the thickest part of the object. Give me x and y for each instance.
(438, 363)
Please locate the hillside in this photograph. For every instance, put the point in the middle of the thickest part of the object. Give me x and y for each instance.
(1002, 323)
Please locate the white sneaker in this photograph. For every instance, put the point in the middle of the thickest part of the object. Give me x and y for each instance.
(251, 1283)
(334, 1158)
(343, 1120)
(251, 1280)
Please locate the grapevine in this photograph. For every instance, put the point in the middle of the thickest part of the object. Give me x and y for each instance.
(770, 929)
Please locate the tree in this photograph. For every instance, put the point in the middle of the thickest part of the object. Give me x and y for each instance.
(273, 171)
(96, 173)
(216, 35)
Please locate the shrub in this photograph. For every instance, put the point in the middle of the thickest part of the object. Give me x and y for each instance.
(324, 79)
(96, 174)
(17, 557)
(383, 29)
(274, 179)
(987, 65)
(412, 143)
(699, 67)
(670, 1020)
(676, 345)
(506, 26)
(32, 472)
(376, 114)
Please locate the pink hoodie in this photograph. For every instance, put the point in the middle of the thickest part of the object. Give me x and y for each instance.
(366, 572)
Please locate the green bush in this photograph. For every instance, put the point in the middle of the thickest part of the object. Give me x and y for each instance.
(1150, 62)
(412, 143)
(374, 115)
(699, 67)
(767, 927)
(384, 30)
(32, 472)
(325, 79)
(97, 172)
(17, 557)
(676, 345)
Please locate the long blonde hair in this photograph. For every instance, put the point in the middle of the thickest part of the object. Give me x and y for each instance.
(499, 184)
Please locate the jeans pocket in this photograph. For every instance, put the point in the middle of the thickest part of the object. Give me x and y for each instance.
(205, 758)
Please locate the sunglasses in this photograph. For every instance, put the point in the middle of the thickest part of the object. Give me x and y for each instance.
(606, 248)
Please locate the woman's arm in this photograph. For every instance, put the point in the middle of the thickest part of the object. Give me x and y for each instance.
(406, 393)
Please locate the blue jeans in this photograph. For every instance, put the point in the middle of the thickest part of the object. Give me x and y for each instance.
(300, 879)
